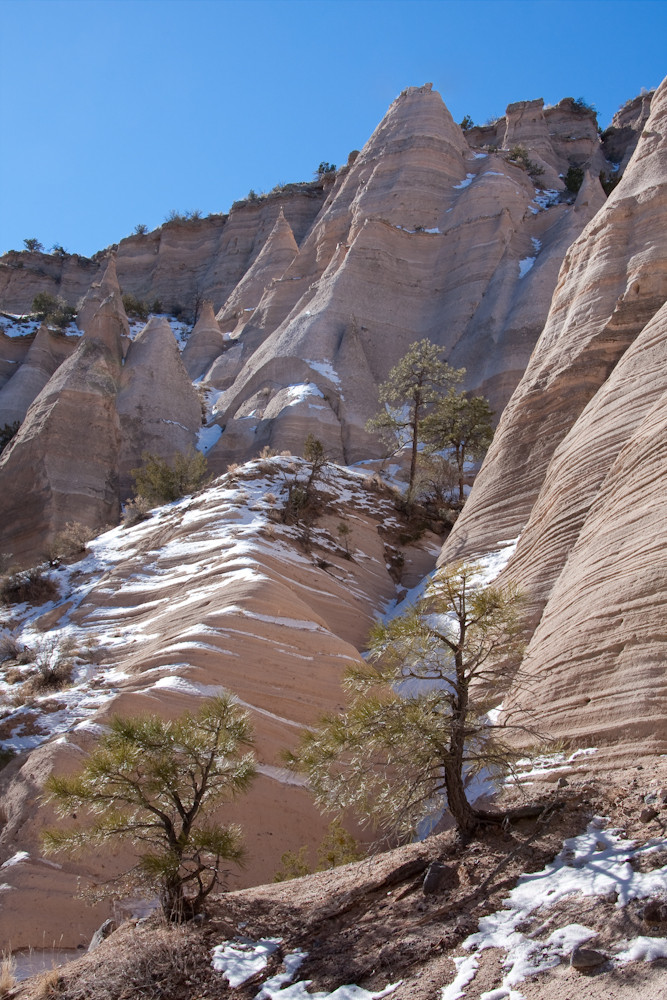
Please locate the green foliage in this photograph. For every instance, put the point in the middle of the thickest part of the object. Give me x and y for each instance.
(582, 106)
(140, 229)
(574, 178)
(463, 424)
(58, 250)
(466, 123)
(338, 848)
(417, 725)
(294, 865)
(411, 389)
(135, 307)
(53, 310)
(7, 433)
(519, 156)
(154, 783)
(609, 181)
(160, 481)
(325, 168)
(33, 245)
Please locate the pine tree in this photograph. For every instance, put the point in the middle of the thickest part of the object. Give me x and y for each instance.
(153, 783)
(412, 387)
(462, 423)
(418, 722)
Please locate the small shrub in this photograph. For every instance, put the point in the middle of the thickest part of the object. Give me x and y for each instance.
(466, 123)
(53, 310)
(140, 229)
(12, 649)
(294, 865)
(519, 156)
(135, 307)
(29, 586)
(337, 848)
(7, 433)
(574, 178)
(58, 250)
(7, 970)
(267, 452)
(174, 216)
(135, 511)
(72, 541)
(325, 168)
(33, 245)
(161, 482)
(583, 107)
(270, 498)
(54, 659)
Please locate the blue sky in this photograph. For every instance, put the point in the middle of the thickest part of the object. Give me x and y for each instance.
(114, 112)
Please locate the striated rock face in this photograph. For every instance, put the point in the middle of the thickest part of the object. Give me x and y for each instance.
(158, 408)
(275, 257)
(205, 343)
(420, 237)
(227, 600)
(179, 264)
(62, 464)
(46, 353)
(577, 468)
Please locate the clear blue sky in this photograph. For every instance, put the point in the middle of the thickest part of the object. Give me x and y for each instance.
(113, 112)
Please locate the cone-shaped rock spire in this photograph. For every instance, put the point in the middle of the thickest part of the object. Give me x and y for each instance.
(158, 408)
(271, 263)
(205, 343)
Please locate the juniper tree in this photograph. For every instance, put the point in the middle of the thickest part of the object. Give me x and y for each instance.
(418, 724)
(411, 389)
(462, 423)
(154, 783)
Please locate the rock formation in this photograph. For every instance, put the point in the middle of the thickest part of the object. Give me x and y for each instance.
(205, 343)
(46, 353)
(158, 408)
(229, 600)
(390, 259)
(577, 465)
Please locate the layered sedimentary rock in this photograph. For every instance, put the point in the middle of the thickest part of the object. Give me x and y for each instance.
(420, 237)
(229, 599)
(178, 264)
(62, 465)
(580, 438)
(159, 410)
(46, 353)
(205, 343)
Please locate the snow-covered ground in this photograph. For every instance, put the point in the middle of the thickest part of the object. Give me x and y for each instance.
(241, 959)
(528, 930)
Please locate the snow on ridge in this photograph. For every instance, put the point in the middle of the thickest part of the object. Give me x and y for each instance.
(468, 179)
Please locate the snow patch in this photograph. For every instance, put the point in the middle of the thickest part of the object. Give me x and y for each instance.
(469, 178)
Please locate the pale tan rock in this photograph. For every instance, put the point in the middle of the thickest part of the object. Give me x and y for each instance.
(47, 351)
(106, 288)
(13, 352)
(62, 464)
(275, 257)
(159, 409)
(576, 469)
(204, 344)
(225, 601)
(389, 261)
